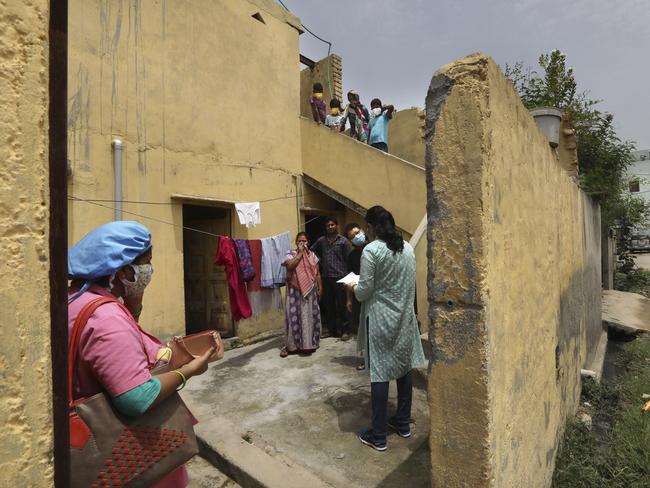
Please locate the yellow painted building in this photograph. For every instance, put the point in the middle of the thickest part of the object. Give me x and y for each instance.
(203, 98)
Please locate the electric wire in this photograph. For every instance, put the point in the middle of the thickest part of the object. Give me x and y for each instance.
(91, 202)
(329, 49)
(142, 202)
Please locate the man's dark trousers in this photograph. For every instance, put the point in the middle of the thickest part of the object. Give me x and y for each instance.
(333, 304)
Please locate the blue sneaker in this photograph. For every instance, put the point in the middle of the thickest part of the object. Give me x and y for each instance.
(402, 431)
(368, 438)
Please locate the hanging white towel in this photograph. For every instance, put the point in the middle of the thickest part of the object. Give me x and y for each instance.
(249, 213)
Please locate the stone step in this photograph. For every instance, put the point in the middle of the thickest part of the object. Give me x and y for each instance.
(205, 475)
(247, 464)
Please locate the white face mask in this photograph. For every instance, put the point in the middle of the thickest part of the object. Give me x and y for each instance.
(376, 112)
(141, 278)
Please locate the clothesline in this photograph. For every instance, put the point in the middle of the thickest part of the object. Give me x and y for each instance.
(92, 202)
(144, 202)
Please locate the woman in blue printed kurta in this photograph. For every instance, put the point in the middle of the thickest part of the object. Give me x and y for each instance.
(388, 330)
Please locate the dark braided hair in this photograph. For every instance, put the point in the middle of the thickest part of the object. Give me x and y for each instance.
(384, 224)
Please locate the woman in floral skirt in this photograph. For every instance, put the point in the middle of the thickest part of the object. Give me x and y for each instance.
(304, 289)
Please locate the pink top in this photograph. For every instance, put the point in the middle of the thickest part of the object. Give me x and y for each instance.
(114, 356)
(114, 353)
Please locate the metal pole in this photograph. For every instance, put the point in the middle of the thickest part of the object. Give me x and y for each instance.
(117, 168)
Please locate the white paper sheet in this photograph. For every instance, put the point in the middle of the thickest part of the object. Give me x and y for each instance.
(350, 279)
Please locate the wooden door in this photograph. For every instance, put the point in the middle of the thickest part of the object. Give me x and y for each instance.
(206, 290)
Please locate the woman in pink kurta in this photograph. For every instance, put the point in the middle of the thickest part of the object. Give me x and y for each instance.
(115, 355)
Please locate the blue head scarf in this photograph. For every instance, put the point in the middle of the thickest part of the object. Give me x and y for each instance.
(105, 250)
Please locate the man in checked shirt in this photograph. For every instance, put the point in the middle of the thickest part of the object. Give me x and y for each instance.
(333, 249)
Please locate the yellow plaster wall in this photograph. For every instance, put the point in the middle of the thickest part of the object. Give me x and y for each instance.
(513, 283)
(329, 73)
(205, 99)
(25, 368)
(363, 174)
(311, 198)
(406, 135)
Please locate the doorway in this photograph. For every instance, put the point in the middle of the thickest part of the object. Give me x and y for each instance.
(206, 288)
(314, 226)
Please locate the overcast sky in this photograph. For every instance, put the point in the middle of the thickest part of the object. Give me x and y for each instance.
(391, 48)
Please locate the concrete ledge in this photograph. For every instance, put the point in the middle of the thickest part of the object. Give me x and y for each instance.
(627, 312)
(271, 334)
(249, 465)
(597, 364)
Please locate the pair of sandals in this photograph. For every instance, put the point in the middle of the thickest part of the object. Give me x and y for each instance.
(284, 353)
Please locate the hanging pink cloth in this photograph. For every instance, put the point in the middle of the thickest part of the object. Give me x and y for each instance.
(240, 307)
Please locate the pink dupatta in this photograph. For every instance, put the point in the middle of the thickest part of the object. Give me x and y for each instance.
(303, 276)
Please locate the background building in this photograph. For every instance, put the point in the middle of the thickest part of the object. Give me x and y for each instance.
(639, 177)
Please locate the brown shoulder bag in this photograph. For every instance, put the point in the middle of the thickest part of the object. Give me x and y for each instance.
(108, 448)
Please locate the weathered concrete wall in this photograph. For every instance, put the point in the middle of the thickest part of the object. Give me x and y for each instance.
(205, 99)
(406, 135)
(592, 275)
(25, 369)
(329, 73)
(567, 150)
(608, 261)
(512, 277)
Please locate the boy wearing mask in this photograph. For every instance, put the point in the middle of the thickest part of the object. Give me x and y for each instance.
(317, 104)
(379, 117)
(333, 119)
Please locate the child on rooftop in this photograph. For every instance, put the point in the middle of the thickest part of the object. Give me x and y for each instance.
(358, 116)
(333, 119)
(379, 117)
(317, 104)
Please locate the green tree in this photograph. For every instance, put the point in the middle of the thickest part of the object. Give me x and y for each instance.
(603, 157)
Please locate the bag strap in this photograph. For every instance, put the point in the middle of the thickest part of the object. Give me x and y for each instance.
(73, 343)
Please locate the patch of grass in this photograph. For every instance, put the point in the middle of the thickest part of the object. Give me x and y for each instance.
(575, 466)
(637, 280)
(615, 452)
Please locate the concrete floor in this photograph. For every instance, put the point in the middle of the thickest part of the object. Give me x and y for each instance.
(204, 475)
(305, 411)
